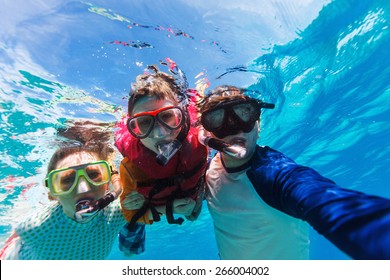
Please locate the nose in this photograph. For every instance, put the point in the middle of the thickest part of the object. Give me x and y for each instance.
(82, 185)
(159, 131)
(231, 120)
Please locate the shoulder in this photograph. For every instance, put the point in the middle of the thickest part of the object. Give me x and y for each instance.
(265, 155)
(130, 169)
(268, 151)
(215, 168)
(267, 163)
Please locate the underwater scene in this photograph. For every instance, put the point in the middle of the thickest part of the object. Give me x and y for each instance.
(324, 64)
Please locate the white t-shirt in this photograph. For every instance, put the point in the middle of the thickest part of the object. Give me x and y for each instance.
(245, 226)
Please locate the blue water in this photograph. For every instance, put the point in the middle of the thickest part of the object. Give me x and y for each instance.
(324, 63)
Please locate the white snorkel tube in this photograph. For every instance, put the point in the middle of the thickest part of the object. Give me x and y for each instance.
(167, 151)
(234, 150)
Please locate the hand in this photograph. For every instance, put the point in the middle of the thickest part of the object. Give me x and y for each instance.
(202, 135)
(133, 201)
(183, 206)
(198, 201)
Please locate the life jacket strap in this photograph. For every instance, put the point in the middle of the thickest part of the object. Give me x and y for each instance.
(145, 207)
(169, 214)
(137, 216)
(155, 213)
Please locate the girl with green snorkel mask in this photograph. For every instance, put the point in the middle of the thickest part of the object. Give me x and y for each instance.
(82, 220)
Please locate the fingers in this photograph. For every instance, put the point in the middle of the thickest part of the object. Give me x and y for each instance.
(134, 196)
(133, 201)
(183, 206)
(202, 135)
(183, 201)
(129, 205)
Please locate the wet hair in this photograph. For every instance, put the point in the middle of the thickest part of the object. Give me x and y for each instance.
(219, 95)
(83, 136)
(158, 84)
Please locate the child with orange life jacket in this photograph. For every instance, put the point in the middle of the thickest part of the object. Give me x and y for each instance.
(164, 163)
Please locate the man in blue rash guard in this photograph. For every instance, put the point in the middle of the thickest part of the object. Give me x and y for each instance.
(357, 223)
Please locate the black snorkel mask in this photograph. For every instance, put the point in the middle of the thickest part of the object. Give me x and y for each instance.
(233, 116)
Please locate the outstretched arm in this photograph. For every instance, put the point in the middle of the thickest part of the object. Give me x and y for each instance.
(357, 223)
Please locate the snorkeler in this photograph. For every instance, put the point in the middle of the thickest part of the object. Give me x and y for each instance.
(245, 227)
(163, 166)
(243, 193)
(83, 219)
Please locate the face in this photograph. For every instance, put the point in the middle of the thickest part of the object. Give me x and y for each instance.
(247, 140)
(83, 190)
(159, 133)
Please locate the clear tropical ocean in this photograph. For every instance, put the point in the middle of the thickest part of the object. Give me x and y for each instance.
(325, 64)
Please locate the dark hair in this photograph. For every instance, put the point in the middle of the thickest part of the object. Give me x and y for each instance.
(158, 84)
(218, 95)
(83, 136)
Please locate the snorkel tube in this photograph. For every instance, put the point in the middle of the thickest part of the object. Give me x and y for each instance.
(167, 151)
(236, 151)
(87, 209)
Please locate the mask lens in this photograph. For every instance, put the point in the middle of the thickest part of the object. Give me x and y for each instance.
(63, 180)
(171, 118)
(213, 119)
(246, 112)
(98, 173)
(141, 126)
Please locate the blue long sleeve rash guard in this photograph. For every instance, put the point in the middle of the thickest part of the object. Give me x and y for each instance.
(357, 223)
